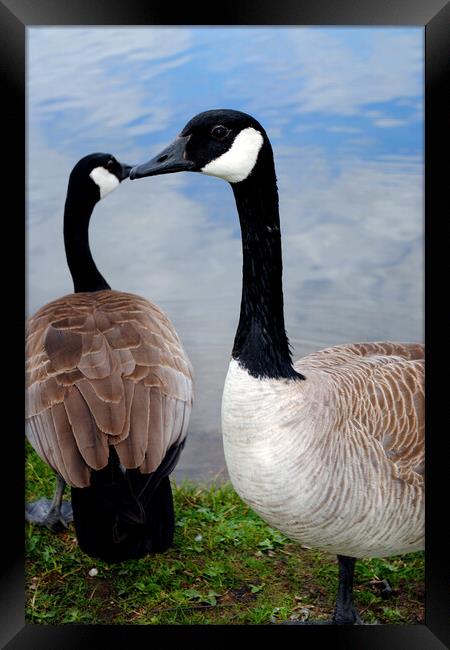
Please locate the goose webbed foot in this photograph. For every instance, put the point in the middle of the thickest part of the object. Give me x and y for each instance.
(385, 589)
(43, 513)
(55, 514)
(349, 616)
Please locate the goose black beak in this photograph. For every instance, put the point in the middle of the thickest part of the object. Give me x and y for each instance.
(169, 160)
(125, 171)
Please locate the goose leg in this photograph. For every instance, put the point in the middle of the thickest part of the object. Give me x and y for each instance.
(55, 514)
(345, 612)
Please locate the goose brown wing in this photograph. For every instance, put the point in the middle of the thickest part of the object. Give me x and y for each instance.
(339, 354)
(378, 393)
(104, 368)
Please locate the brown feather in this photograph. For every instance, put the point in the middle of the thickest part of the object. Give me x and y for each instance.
(139, 373)
(63, 348)
(109, 416)
(129, 388)
(177, 429)
(90, 440)
(41, 395)
(146, 354)
(74, 321)
(131, 449)
(37, 439)
(50, 441)
(125, 362)
(155, 441)
(77, 472)
(123, 336)
(69, 378)
(99, 363)
(102, 321)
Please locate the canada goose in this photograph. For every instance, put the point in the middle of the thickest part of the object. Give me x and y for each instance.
(109, 394)
(330, 449)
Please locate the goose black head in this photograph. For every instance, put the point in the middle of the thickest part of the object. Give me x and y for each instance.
(96, 175)
(222, 142)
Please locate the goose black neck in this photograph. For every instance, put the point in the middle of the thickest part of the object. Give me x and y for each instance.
(261, 344)
(77, 215)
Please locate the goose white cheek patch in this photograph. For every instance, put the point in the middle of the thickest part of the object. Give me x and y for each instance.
(106, 181)
(236, 164)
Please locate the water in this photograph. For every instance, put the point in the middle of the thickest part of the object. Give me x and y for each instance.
(344, 111)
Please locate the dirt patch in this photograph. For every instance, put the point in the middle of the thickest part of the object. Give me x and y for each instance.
(103, 599)
(240, 595)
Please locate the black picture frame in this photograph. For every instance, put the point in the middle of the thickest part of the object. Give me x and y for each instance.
(15, 17)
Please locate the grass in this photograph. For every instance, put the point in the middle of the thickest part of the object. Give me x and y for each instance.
(226, 567)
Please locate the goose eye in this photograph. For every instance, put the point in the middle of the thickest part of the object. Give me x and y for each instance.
(110, 164)
(219, 132)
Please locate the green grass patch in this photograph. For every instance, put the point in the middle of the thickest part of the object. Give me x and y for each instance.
(226, 567)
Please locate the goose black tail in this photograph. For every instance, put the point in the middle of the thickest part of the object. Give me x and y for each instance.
(126, 515)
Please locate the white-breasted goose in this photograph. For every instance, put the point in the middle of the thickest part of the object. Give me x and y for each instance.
(108, 394)
(330, 449)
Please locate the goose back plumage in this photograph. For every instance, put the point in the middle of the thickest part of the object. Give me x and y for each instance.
(104, 369)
